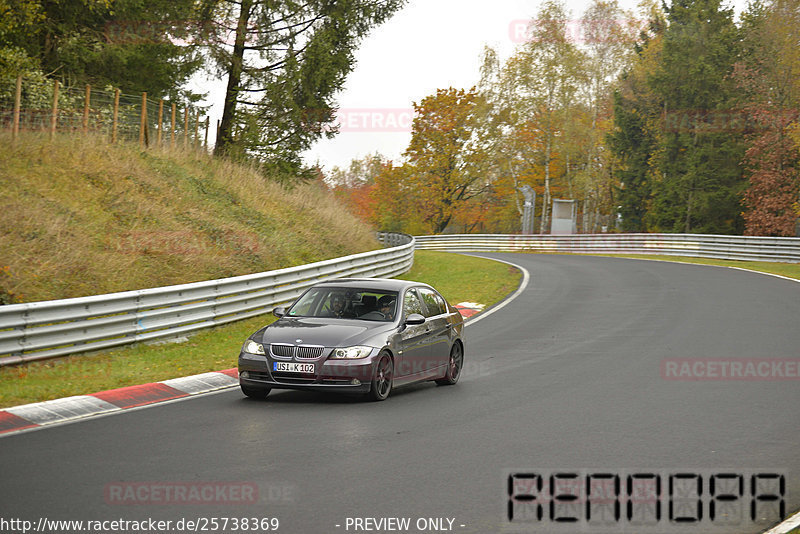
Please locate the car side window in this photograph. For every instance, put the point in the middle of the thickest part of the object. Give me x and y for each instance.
(441, 301)
(411, 303)
(432, 302)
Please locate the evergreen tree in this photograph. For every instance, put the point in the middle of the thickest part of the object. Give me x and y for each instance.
(701, 180)
(284, 64)
(129, 44)
(632, 145)
(637, 127)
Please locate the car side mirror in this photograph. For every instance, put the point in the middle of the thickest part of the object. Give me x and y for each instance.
(280, 311)
(415, 319)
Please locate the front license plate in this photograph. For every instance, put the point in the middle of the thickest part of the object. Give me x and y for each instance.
(293, 367)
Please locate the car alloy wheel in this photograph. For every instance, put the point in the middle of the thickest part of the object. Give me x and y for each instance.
(454, 366)
(383, 378)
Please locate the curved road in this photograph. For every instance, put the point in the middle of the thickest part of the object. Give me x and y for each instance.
(570, 376)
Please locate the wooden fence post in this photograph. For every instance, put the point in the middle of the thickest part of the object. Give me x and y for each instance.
(172, 128)
(160, 120)
(86, 109)
(186, 127)
(116, 115)
(143, 120)
(196, 127)
(205, 138)
(17, 104)
(54, 111)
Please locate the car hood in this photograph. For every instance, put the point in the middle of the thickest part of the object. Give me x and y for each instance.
(326, 332)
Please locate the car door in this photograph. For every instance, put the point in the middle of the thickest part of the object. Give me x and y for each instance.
(438, 328)
(413, 341)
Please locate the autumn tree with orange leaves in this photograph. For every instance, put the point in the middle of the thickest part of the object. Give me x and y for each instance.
(446, 163)
(769, 79)
(355, 186)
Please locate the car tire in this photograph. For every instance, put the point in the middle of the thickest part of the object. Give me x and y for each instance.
(255, 393)
(382, 378)
(454, 365)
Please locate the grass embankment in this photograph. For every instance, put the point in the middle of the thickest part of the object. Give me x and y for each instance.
(83, 217)
(459, 278)
(790, 270)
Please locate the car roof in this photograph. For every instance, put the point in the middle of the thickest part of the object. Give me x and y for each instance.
(371, 283)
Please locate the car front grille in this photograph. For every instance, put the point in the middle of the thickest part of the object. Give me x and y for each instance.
(282, 351)
(308, 353)
(301, 352)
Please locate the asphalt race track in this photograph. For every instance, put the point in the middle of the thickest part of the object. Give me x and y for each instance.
(573, 376)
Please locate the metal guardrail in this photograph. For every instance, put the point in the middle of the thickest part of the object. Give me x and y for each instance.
(727, 247)
(49, 329)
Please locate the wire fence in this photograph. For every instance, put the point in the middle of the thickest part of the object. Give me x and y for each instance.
(41, 105)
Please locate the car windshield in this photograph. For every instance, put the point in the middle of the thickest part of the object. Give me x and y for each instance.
(346, 303)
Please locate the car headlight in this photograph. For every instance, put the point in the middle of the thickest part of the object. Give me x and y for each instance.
(352, 353)
(253, 348)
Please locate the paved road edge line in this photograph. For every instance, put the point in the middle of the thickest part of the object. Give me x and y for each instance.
(692, 263)
(526, 276)
(787, 526)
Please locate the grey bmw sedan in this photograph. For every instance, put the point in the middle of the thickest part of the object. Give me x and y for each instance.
(366, 335)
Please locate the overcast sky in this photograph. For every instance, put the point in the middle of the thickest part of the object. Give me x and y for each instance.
(427, 45)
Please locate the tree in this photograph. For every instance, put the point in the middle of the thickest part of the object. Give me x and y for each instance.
(701, 182)
(609, 33)
(396, 202)
(551, 107)
(768, 76)
(128, 44)
(447, 164)
(544, 76)
(638, 127)
(355, 186)
(360, 172)
(287, 61)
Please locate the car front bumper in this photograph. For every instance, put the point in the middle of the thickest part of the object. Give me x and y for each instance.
(352, 376)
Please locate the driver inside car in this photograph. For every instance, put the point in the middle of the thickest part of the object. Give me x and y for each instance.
(386, 306)
(337, 306)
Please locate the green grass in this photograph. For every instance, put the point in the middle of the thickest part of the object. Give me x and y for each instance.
(459, 278)
(464, 278)
(78, 212)
(790, 270)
